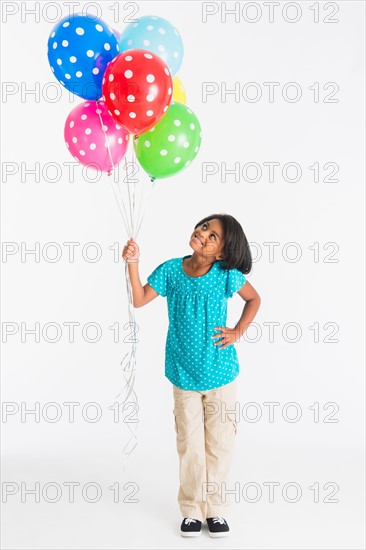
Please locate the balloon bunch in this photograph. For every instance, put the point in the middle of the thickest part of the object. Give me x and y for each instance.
(129, 84)
(131, 96)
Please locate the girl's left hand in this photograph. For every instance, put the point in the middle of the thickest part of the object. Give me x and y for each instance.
(228, 336)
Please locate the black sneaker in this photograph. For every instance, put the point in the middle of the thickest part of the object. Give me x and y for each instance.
(190, 527)
(217, 527)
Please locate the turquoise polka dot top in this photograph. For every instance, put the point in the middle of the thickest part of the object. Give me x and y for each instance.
(195, 306)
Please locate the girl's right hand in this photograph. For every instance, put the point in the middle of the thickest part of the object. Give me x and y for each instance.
(131, 252)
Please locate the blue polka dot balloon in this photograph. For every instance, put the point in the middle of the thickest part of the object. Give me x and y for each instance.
(79, 50)
(156, 35)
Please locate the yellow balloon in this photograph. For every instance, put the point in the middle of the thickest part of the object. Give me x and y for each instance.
(179, 93)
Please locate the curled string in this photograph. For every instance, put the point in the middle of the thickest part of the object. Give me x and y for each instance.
(128, 362)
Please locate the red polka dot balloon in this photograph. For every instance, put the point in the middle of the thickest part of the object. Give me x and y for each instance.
(137, 89)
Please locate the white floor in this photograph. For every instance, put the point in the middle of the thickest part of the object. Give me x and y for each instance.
(154, 521)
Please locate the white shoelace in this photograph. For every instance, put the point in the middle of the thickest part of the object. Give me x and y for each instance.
(188, 521)
(219, 519)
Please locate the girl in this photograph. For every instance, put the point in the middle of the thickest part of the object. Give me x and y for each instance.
(201, 360)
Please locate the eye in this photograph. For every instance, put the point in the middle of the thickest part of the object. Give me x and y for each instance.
(204, 225)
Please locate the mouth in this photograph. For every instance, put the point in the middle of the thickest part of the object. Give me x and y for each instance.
(197, 240)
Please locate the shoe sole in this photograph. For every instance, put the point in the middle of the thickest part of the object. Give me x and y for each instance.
(217, 535)
(192, 534)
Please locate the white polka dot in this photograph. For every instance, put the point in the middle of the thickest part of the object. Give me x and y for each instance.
(112, 96)
(152, 129)
(54, 45)
(189, 111)
(80, 31)
(166, 71)
(171, 138)
(196, 149)
(73, 59)
(186, 144)
(79, 74)
(68, 76)
(149, 97)
(99, 28)
(161, 48)
(129, 42)
(150, 27)
(131, 98)
(149, 112)
(148, 56)
(95, 70)
(84, 117)
(111, 77)
(186, 163)
(74, 139)
(119, 140)
(192, 126)
(66, 24)
(177, 160)
(92, 146)
(146, 42)
(128, 74)
(132, 114)
(59, 62)
(150, 78)
(90, 53)
(65, 43)
(165, 108)
(53, 34)
(118, 127)
(128, 58)
(175, 54)
(72, 124)
(104, 127)
(116, 112)
(177, 122)
(107, 46)
(163, 152)
(82, 153)
(169, 91)
(147, 143)
(87, 131)
(162, 31)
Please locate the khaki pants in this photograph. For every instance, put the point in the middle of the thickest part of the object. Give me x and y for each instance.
(205, 423)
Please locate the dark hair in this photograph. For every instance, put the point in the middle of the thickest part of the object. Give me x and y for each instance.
(236, 249)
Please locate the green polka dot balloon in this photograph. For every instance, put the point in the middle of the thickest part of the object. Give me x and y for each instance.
(171, 144)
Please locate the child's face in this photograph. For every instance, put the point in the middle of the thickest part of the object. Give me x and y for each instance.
(208, 239)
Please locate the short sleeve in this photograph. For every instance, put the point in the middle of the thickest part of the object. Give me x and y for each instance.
(235, 280)
(158, 279)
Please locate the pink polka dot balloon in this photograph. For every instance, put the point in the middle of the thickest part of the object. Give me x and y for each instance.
(90, 131)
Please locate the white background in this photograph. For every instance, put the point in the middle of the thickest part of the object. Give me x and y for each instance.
(306, 292)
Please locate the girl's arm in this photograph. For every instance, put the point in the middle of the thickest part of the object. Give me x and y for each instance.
(142, 295)
(230, 335)
(253, 301)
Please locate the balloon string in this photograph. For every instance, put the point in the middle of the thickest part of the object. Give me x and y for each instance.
(106, 141)
(129, 195)
(144, 210)
(129, 368)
